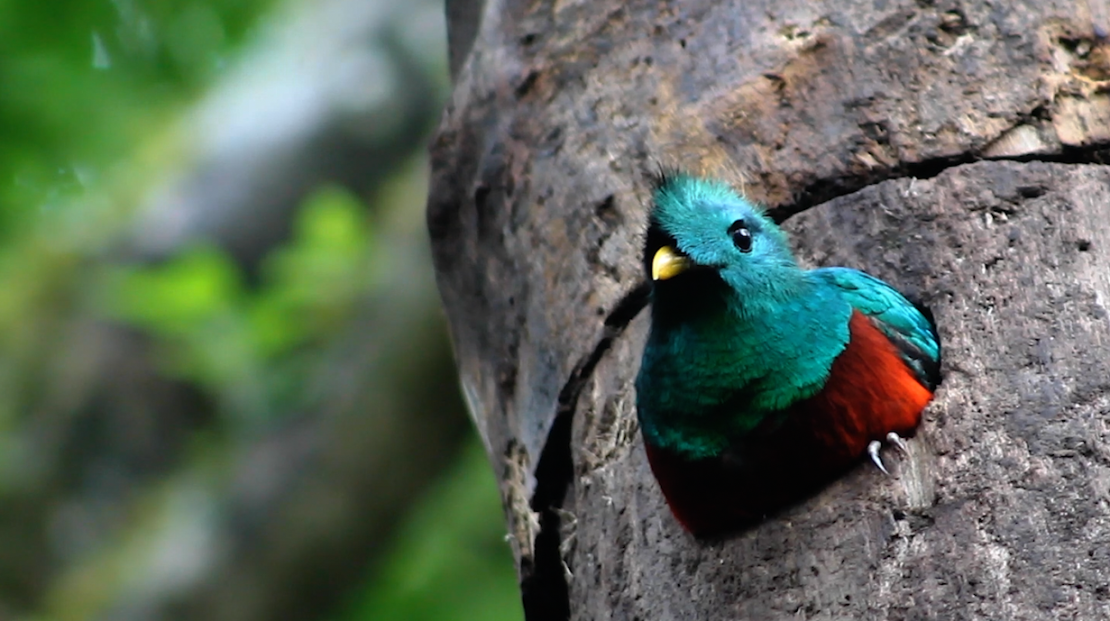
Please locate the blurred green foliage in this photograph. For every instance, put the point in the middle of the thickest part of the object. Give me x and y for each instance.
(85, 80)
(248, 345)
(90, 89)
(89, 92)
(451, 562)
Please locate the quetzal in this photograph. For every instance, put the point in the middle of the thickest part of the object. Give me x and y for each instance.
(761, 380)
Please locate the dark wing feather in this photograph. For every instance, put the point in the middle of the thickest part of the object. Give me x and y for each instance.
(910, 327)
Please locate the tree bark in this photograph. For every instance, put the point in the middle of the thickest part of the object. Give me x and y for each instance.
(864, 124)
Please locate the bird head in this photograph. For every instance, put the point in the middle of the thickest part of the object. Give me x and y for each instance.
(701, 233)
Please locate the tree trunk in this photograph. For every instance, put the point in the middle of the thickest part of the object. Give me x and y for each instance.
(864, 125)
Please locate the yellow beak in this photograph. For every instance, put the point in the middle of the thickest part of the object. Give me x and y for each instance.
(668, 263)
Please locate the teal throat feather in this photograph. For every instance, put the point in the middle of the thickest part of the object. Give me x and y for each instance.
(721, 367)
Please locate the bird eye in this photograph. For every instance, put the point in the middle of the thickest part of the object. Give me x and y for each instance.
(741, 236)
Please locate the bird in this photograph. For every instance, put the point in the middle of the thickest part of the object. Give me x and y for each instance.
(761, 381)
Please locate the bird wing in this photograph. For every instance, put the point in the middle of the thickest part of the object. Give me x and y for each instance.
(910, 327)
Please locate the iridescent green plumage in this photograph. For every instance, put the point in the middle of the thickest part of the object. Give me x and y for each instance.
(743, 335)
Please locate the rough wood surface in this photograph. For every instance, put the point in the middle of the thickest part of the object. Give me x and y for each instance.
(873, 112)
(1001, 511)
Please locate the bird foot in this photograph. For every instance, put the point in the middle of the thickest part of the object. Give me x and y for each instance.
(897, 441)
(874, 446)
(873, 451)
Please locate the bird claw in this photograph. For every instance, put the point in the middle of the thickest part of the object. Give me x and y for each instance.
(873, 451)
(897, 441)
(874, 446)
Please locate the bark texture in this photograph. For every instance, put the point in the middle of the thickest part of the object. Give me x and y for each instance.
(868, 121)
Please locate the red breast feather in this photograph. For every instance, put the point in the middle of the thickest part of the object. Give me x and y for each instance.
(870, 392)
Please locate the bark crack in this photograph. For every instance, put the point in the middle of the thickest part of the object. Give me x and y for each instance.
(544, 587)
(824, 190)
